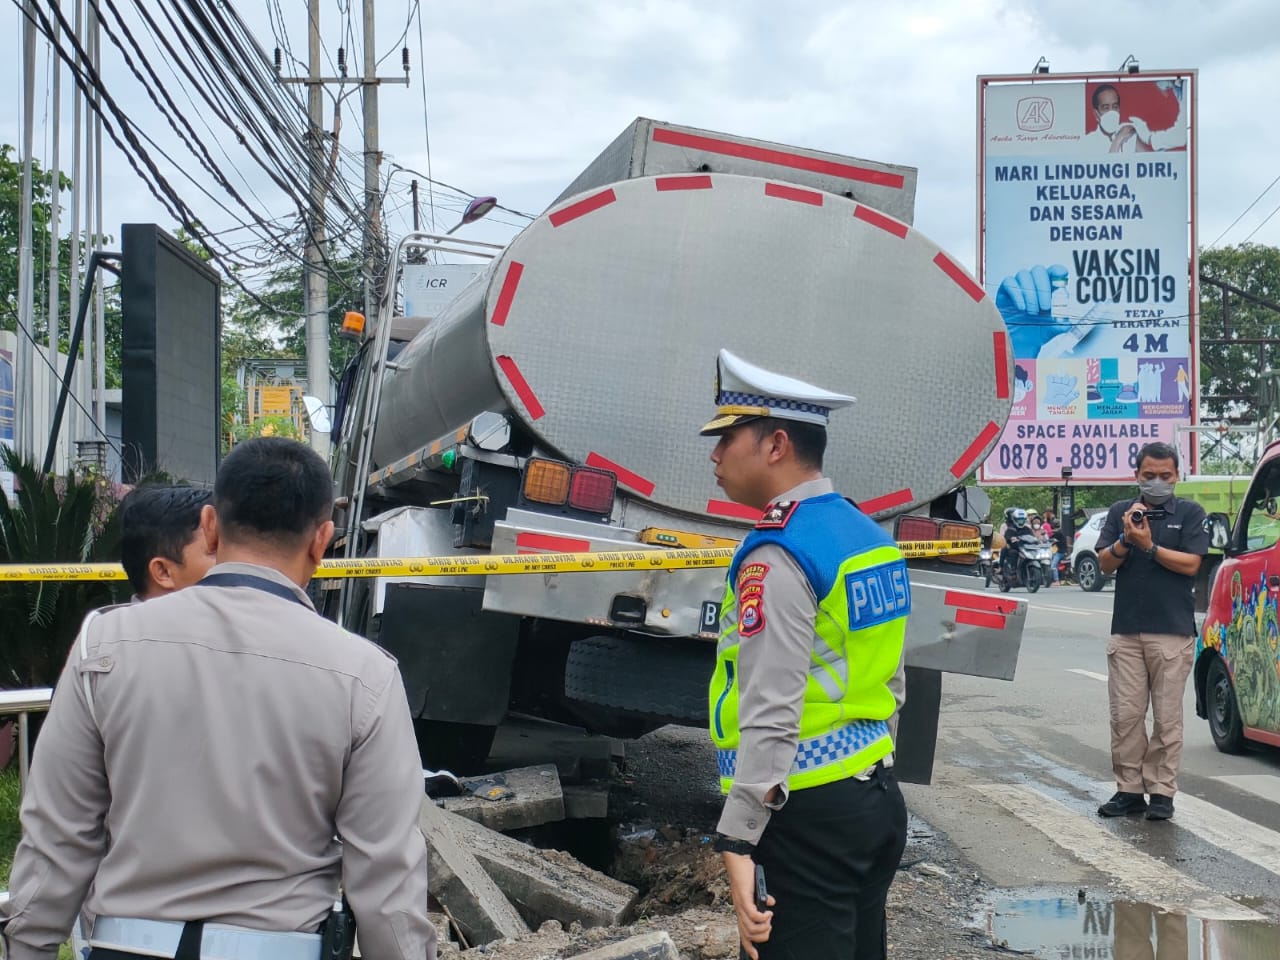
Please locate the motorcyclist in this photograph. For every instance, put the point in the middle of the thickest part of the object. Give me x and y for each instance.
(1015, 525)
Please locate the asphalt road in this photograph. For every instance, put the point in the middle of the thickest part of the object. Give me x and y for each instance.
(1022, 766)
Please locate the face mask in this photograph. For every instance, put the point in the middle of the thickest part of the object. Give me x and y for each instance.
(1155, 492)
(1109, 121)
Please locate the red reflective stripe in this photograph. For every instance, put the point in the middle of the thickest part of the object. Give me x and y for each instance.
(508, 293)
(727, 508)
(633, 480)
(1001, 340)
(962, 279)
(521, 386)
(795, 161)
(878, 219)
(976, 601)
(964, 463)
(975, 618)
(890, 500)
(684, 183)
(583, 207)
(783, 192)
(544, 543)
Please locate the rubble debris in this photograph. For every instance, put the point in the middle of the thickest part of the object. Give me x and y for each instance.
(546, 884)
(460, 883)
(524, 797)
(648, 946)
(586, 801)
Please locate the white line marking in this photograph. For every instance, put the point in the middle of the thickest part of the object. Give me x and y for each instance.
(1234, 834)
(1265, 785)
(1141, 876)
(1071, 610)
(1088, 673)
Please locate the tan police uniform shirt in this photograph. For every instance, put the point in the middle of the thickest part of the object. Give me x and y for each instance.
(773, 667)
(233, 734)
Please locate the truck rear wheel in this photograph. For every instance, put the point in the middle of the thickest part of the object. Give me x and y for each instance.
(659, 681)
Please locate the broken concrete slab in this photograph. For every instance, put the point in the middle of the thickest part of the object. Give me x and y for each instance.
(584, 801)
(537, 798)
(458, 881)
(522, 740)
(648, 946)
(547, 884)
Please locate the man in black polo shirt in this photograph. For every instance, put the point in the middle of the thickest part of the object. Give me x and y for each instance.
(1154, 545)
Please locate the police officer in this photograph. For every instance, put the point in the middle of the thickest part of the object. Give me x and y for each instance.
(219, 760)
(811, 639)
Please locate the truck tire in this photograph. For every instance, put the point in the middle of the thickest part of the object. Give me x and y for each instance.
(1225, 723)
(660, 681)
(1089, 574)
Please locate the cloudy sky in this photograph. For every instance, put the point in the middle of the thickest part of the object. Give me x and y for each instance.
(523, 93)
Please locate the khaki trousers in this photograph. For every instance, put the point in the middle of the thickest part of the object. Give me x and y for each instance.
(1147, 669)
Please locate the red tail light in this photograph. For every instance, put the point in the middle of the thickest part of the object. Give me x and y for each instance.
(592, 491)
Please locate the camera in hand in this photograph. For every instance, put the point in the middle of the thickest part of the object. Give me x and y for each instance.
(1136, 517)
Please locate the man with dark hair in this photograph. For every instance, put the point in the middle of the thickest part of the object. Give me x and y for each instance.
(248, 760)
(162, 546)
(807, 681)
(1154, 545)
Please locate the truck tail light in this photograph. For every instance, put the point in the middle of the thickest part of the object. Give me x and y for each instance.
(592, 490)
(547, 481)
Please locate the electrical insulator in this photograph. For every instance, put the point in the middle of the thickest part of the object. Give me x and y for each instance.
(404, 58)
(342, 61)
(279, 62)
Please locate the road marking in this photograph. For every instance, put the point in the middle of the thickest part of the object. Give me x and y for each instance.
(1088, 673)
(1072, 610)
(1234, 834)
(1264, 785)
(1141, 876)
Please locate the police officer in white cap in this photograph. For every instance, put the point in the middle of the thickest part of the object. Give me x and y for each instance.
(811, 638)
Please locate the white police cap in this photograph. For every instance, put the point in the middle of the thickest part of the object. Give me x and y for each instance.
(745, 392)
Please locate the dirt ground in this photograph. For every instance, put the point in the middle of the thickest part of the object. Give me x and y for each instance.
(664, 807)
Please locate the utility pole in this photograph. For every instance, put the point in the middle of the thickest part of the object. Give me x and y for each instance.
(317, 278)
(24, 397)
(374, 255)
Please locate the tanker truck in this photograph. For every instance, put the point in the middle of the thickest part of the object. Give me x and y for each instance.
(553, 406)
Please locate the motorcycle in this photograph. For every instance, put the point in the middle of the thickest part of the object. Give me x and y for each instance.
(986, 565)
(1030, 564)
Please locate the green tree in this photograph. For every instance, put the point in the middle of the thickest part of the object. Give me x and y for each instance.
(1229, 368)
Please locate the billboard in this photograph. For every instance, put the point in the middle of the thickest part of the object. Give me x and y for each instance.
(169, 358)
(1086, 244)
(428, 287)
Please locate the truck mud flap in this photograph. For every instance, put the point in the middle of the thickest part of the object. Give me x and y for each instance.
(455, 658)
(664, 681)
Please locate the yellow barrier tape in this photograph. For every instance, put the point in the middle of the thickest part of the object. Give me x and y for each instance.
(480, 566)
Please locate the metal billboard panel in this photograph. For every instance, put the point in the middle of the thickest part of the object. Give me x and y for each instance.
(169, 358)
(1086, 244)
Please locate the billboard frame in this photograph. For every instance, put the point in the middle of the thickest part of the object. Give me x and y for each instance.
(984, 81)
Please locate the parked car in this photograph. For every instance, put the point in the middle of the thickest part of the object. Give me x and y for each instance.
(1237, 673)
(1084, 555)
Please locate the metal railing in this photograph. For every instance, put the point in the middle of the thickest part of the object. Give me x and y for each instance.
(24, 703)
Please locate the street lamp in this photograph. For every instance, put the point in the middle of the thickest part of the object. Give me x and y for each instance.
(478, 208)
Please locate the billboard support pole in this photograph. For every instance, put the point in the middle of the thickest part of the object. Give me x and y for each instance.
(99, 258)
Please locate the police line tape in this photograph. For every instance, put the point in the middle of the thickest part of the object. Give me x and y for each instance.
(481, 566)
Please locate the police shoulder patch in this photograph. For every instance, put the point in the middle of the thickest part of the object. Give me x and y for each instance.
(777, 515)
(750, 596)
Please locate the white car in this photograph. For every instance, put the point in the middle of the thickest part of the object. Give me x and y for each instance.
(1084, 558)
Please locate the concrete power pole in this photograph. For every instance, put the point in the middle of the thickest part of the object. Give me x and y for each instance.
(374, 254)
(317, 274)
(317, 279)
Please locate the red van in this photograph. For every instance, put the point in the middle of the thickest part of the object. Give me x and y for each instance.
(1237, 672)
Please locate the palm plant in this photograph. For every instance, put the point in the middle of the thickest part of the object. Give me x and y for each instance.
(54, 519)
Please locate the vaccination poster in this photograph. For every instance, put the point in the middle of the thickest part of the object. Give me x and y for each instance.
(1084, 248)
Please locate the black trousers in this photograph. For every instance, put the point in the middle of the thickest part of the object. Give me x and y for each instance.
(829, 856)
